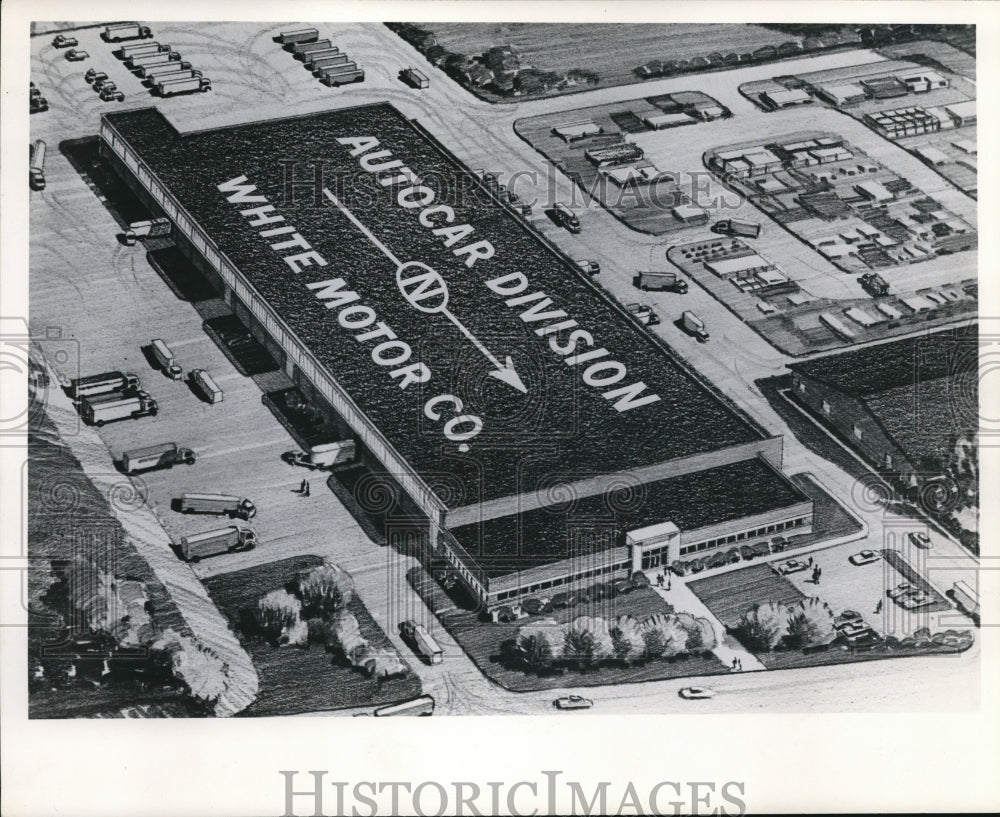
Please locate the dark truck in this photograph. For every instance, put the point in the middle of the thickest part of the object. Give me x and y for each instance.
(730, 226)
(660, 281)
(874, 284)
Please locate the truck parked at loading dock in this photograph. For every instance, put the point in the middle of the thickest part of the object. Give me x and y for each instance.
(182, 86)
(36, 172)
(107, 408)
(164, 455)
(730, 226)
(231, 506)
(694, 325)
(661, 281)
(126, 31)
(103, 383)
(211, 543)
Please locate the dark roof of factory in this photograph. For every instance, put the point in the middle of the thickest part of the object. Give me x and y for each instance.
(582, 526)
(560, 424)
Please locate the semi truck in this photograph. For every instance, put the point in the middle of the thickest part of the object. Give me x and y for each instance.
(565, 217)
(335, 76)
(299, 50)
(231, 506)
(644, 314)
(326, 455)
(299, 35)
(589, 267)
(325, 59)
(730, 226)
(36, 172)
(107, 408)
(143, 48)
(150, 228)
(211, 543)
(160, 69)
(182, 86)
(966, 597)
(694, 325)
(205, 386)
(422, 641)
(661, 281)
(164, 357)
(103, 383)
(414, 78)
(422, 706)
(126, 31)
(136, 61)
(164, 455)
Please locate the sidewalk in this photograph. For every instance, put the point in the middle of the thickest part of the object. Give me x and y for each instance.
(145, 532)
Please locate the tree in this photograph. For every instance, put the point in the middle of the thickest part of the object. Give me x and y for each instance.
(277, 612)
(196, 666)
(540, 643)
(588, 640)
(639, 579)
(325, 589)
(699, 631)
(764, 625)
(810, 623)
(626, 639)
(670, 632)
(345, 634)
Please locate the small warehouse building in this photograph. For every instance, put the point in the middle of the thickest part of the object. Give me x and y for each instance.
(842, 95)
(577, 130)
(962, 113)
(785, 98)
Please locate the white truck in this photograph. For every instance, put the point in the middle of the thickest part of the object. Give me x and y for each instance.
(414, 78)
(143, 48)
(103, 383)
(422, 706)
(126, 31)
(422, 641)
(204, 384)
(231, 506)
(161, 69)
(107, 408)
(164, 357)
(164, 455)
(150, 228)
(324, 59)
(182, 86)
(732, 226)
(36, 172)
(326, 455)
(135, 61)
(661, 281)
(211, 543)
(966, 597)
(694, 326)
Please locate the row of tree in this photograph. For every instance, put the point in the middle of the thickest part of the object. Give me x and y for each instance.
(807, 623)
(316, 613)
(590, 640)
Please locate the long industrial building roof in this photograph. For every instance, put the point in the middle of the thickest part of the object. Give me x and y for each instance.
(319, 173)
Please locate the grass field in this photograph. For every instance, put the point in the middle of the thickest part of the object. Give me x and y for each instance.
(561, 47)
(302, 680)
(729, 595)
(481, 641)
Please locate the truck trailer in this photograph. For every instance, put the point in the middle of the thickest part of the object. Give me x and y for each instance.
(414, 78)
(164, 455)
(126, 31)
(139, 60)
(103, 383)
(299, 50)
(325, 59)
(107, 408)
(352, 74)
(730, 226)
(661, 281)
(966, 597)
(211, 543)
(143, 48)
(36, 172)
(231, 506)
(150, 228)
(422, 641)
(299, 35)
(182, 86)
(694, 326)
(422, 706)
(159, 69)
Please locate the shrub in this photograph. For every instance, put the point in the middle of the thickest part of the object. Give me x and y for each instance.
(626, 639)
(201, 671)
(670, 632)
(764, 625)
(276, 612)
(325, 589)
(295, 636)
(639, 579)
(540, 644)
(345, 635)
(810, 623)
(588, 640)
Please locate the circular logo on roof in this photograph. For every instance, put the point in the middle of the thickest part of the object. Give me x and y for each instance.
(422, 286)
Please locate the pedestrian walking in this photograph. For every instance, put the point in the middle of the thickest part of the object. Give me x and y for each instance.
(303, 485)
(739, 663)
(810, 561)
(668, 582)
(734, 663)
(878, 607)
(308, 490)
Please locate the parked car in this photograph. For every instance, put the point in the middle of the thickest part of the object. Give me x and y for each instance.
(76, 56)
(573, 702)
(913, 601)
(62, 41)
(848, 617)
(920, 539)
(791, 566)
(589, 267)
(903, 589)
(865, 557)
(112, 96)
(852, 629)
(696, 693)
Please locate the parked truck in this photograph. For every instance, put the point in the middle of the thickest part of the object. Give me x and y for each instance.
(588, 266)
(694, 325)
(150, 228)
(211, 543)
(181, 69)
(335, 76)
(966, 597)
(300, 50)
(107, 408)
(565, 217)
(326, 455)
(730, 226)
(203, 383)
(164, 357)
(164, 455)
(661, 281)
(414, 78)
(143, 48)
(231, 506)
(422, 706)
(644, 314)
(422, 641)
(126, 31)
(325, 59)
(182, 86)
(874, 284)
(136, 61)
(36, 172)
(299, 35)
(104, 383)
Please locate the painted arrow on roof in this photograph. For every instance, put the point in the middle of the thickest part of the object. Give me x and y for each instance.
(425, 290)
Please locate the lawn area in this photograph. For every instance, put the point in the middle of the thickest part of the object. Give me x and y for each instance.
(481, 641)
(729, 595)
(294, 680)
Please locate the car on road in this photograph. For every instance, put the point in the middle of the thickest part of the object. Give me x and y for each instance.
(696, 693)
(76, 56)
(865, 557)
(589, 267)
(62, 41)
(920, 539)
(573, 702)
(791, 566)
